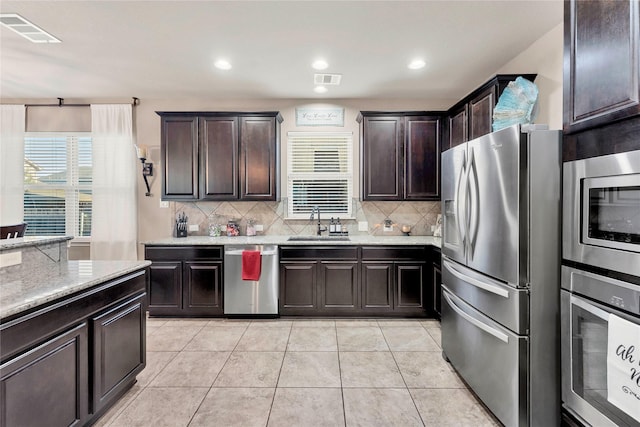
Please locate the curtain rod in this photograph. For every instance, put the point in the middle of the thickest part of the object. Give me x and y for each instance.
(134, 101)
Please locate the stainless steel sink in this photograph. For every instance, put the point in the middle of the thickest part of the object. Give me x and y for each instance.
(319, 239)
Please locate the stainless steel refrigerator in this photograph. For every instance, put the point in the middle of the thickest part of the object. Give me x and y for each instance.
(501, 271)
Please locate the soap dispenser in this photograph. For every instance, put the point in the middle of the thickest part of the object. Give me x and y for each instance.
(332, 226)
(338, 226)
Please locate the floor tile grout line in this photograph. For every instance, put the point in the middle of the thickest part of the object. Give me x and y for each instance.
(275, 389)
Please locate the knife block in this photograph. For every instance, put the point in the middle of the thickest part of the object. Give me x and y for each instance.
(181, 230)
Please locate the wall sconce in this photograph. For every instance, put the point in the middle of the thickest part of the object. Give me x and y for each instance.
(147, 167)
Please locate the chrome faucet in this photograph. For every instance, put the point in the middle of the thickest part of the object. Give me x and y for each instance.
(320, 227)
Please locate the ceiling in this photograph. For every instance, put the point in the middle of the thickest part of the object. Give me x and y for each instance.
(166, 49)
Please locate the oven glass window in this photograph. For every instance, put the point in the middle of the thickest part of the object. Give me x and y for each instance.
(589, 353)
(614, 214)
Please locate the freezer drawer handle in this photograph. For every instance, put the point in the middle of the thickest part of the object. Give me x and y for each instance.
(240, 253)
(488, 329)
(477, 283)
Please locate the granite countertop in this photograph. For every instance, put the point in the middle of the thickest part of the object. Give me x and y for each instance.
(25, 242)
(23, 290)
(282, 241)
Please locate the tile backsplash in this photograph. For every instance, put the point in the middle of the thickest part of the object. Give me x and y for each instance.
(420, 216)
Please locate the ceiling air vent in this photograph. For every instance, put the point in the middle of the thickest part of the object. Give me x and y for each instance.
(26, 29)
(327, 79)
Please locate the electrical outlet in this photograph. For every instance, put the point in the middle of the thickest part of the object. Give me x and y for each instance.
(363, 226)
(387, 228)
(164, 204)
(259, 227)
(194, 227)
(433, 227)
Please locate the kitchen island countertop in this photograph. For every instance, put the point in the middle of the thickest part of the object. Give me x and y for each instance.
(283, 241)
(22, 290)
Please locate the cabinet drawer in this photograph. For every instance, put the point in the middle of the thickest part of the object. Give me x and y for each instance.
(319, 252)
(394, 253)
(176, 253)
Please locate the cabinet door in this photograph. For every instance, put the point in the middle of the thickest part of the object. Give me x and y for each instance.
(410, 295)
(165, 288)
(203, 288)
(382, 158)
(179, 158)
(298, 287)
(602, 63)
(422, 158)
(118, 350)
(377, 286)
(219, 158)
(338, 285)
(49, 385)
(458, 132)
(481, 112)
(258, 158)
(437, 289)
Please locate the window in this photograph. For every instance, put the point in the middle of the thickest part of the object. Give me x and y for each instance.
(320, 173)
(57, 184)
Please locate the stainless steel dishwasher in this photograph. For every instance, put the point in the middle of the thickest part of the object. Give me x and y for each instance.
(251, 297)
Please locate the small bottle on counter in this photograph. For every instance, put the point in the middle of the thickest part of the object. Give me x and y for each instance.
(332, 226)
(338, 226)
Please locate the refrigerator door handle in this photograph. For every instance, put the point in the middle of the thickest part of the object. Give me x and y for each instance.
(475, 282)
(488, 329)
(474, 203)
(460, 200)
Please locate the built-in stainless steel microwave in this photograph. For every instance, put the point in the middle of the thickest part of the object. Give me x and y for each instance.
(601, 212)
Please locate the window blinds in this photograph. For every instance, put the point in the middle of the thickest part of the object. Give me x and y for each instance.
(320, 173)
(57, 184)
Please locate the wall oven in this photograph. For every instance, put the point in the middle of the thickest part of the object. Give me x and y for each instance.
(600, 369)
(601, 212)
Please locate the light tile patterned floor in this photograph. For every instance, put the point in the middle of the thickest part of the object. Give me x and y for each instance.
(283, 372)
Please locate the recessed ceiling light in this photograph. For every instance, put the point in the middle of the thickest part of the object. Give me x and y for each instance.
(416, 64)
(26, 29)
(320, 89)
(320, 64)
(222, 64)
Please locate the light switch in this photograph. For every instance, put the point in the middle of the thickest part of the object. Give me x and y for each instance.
(194, 227)
(164, 204)
(259, 227)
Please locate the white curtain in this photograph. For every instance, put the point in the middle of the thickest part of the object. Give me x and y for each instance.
(114, 215)
(12, 125)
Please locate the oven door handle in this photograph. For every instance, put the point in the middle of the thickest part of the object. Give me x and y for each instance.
(589, 307)
(488, 329)
(475, 282)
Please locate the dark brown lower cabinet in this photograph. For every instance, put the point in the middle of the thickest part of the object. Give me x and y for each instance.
(339, 286)
(377, 286)
(48, 385)
(67, 362)
(185, 280)
(118, 348)
(410, 295)
(436, 280)
(298, 287)
(353, 280)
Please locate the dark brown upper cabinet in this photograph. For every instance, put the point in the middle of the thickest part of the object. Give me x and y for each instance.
(601, 83)
(472, 117)
(601, 63)
(220, 155)
(400, 155)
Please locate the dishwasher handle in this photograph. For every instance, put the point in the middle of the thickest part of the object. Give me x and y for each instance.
(239, 253)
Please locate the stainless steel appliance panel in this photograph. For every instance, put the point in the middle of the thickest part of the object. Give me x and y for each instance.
(453, 202)
(493, 231)
(491, 359)
(504, 304)
(584, 332)
(601, 212)
(247, 297)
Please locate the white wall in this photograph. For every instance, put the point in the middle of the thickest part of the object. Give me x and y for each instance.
(544, 57)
